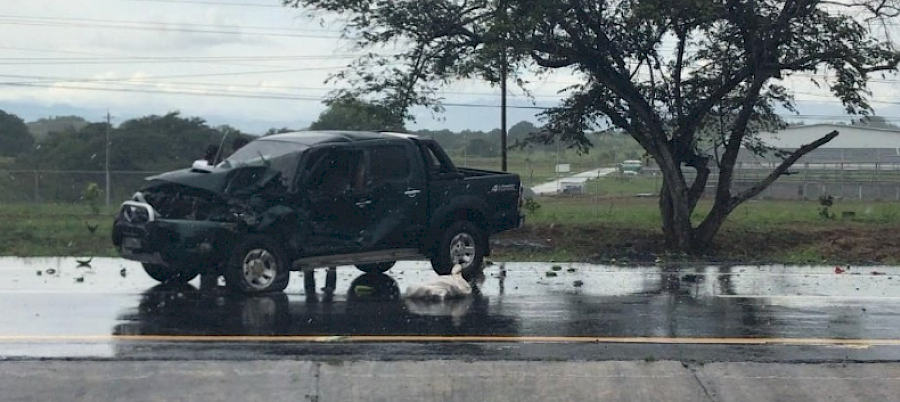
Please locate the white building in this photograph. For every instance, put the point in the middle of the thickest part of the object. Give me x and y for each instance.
(854, 144)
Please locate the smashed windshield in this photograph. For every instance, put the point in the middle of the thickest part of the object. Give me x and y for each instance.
(261, 152)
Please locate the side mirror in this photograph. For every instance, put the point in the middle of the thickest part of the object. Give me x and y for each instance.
(201, 165)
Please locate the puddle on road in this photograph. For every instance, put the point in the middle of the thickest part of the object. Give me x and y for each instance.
(116, 275)
(44, 296)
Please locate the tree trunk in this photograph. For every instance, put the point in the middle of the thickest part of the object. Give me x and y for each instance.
(667, 212)
(676, 217)
(703, 234)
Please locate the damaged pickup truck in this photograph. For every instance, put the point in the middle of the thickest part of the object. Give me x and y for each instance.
(313, 199)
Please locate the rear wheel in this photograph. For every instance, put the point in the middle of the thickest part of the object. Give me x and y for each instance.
(460, 244)
(170, 274)
(257, 265)
(376, 268)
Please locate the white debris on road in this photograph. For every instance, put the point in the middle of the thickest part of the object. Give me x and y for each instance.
(447, 286)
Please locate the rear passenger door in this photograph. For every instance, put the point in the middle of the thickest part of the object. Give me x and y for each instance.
(396, 184)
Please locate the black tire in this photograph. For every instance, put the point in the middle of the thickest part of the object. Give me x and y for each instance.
(173, 275)
(257, 265)
(376, 268)
(461, 244)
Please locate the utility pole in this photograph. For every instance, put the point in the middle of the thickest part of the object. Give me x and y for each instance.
(504, 66)
(107, 158)
(504, 70)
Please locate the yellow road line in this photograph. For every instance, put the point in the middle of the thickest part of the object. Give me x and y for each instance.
(444, 339)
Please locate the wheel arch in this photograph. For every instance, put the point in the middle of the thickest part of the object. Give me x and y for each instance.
(470, 211)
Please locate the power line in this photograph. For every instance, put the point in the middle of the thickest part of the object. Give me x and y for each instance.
(244, 95)
(212, 3)
(145, 81)
(161, 24)
(44, 79)
(157, 60)
(319, 99)
(149, 27)
(260, 92)
(166, 92)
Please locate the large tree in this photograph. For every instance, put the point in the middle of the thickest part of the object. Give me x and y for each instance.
(350, 113)
(691, 80)
(14, 136)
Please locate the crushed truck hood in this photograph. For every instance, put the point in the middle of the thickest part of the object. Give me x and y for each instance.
(214, 181)
(219, 181)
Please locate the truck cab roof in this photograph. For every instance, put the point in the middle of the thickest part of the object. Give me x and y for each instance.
(331, 136)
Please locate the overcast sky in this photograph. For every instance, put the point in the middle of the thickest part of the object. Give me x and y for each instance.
(249, 63)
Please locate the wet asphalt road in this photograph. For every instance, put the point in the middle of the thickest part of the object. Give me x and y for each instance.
(111, 310)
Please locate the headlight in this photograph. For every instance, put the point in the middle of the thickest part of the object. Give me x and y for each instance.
(137, 212)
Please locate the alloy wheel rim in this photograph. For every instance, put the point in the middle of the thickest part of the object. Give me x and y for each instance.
(259, 268)
(462, 250)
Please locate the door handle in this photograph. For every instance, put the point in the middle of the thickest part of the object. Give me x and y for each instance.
(412, 193)
(363, 203)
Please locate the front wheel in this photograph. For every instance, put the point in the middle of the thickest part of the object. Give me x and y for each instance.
(257, 265)
(460, 244)
(376, 268)
(173, 275)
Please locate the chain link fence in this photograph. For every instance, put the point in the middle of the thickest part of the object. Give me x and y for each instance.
(862, 181)
(871, 181)
(62, 187)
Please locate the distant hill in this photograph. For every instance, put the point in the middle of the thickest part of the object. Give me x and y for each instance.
(55, 124)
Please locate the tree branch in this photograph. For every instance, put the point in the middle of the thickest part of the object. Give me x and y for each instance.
(780, 170)
(696, 190)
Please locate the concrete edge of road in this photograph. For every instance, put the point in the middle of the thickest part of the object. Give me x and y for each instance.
(462, 352)
(446, 380)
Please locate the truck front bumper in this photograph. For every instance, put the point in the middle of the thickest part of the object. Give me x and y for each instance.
(138, 234)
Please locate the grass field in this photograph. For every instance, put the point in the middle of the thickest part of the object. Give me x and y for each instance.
(54, 230)
(582, 228)
(534, 168)
(644, 211)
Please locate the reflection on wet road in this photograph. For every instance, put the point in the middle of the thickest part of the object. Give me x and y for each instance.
(54, 308)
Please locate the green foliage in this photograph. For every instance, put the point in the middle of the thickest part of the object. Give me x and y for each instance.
(42, 127)
(348, 113)
(826, 202)
(482, 147)
(531, 206)
(273, 131)
(14, 136)
(91, 196)
(149, 143)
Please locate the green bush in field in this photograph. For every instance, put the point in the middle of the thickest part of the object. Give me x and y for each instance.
(91, 195)
(531, 205)
(826, 201)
